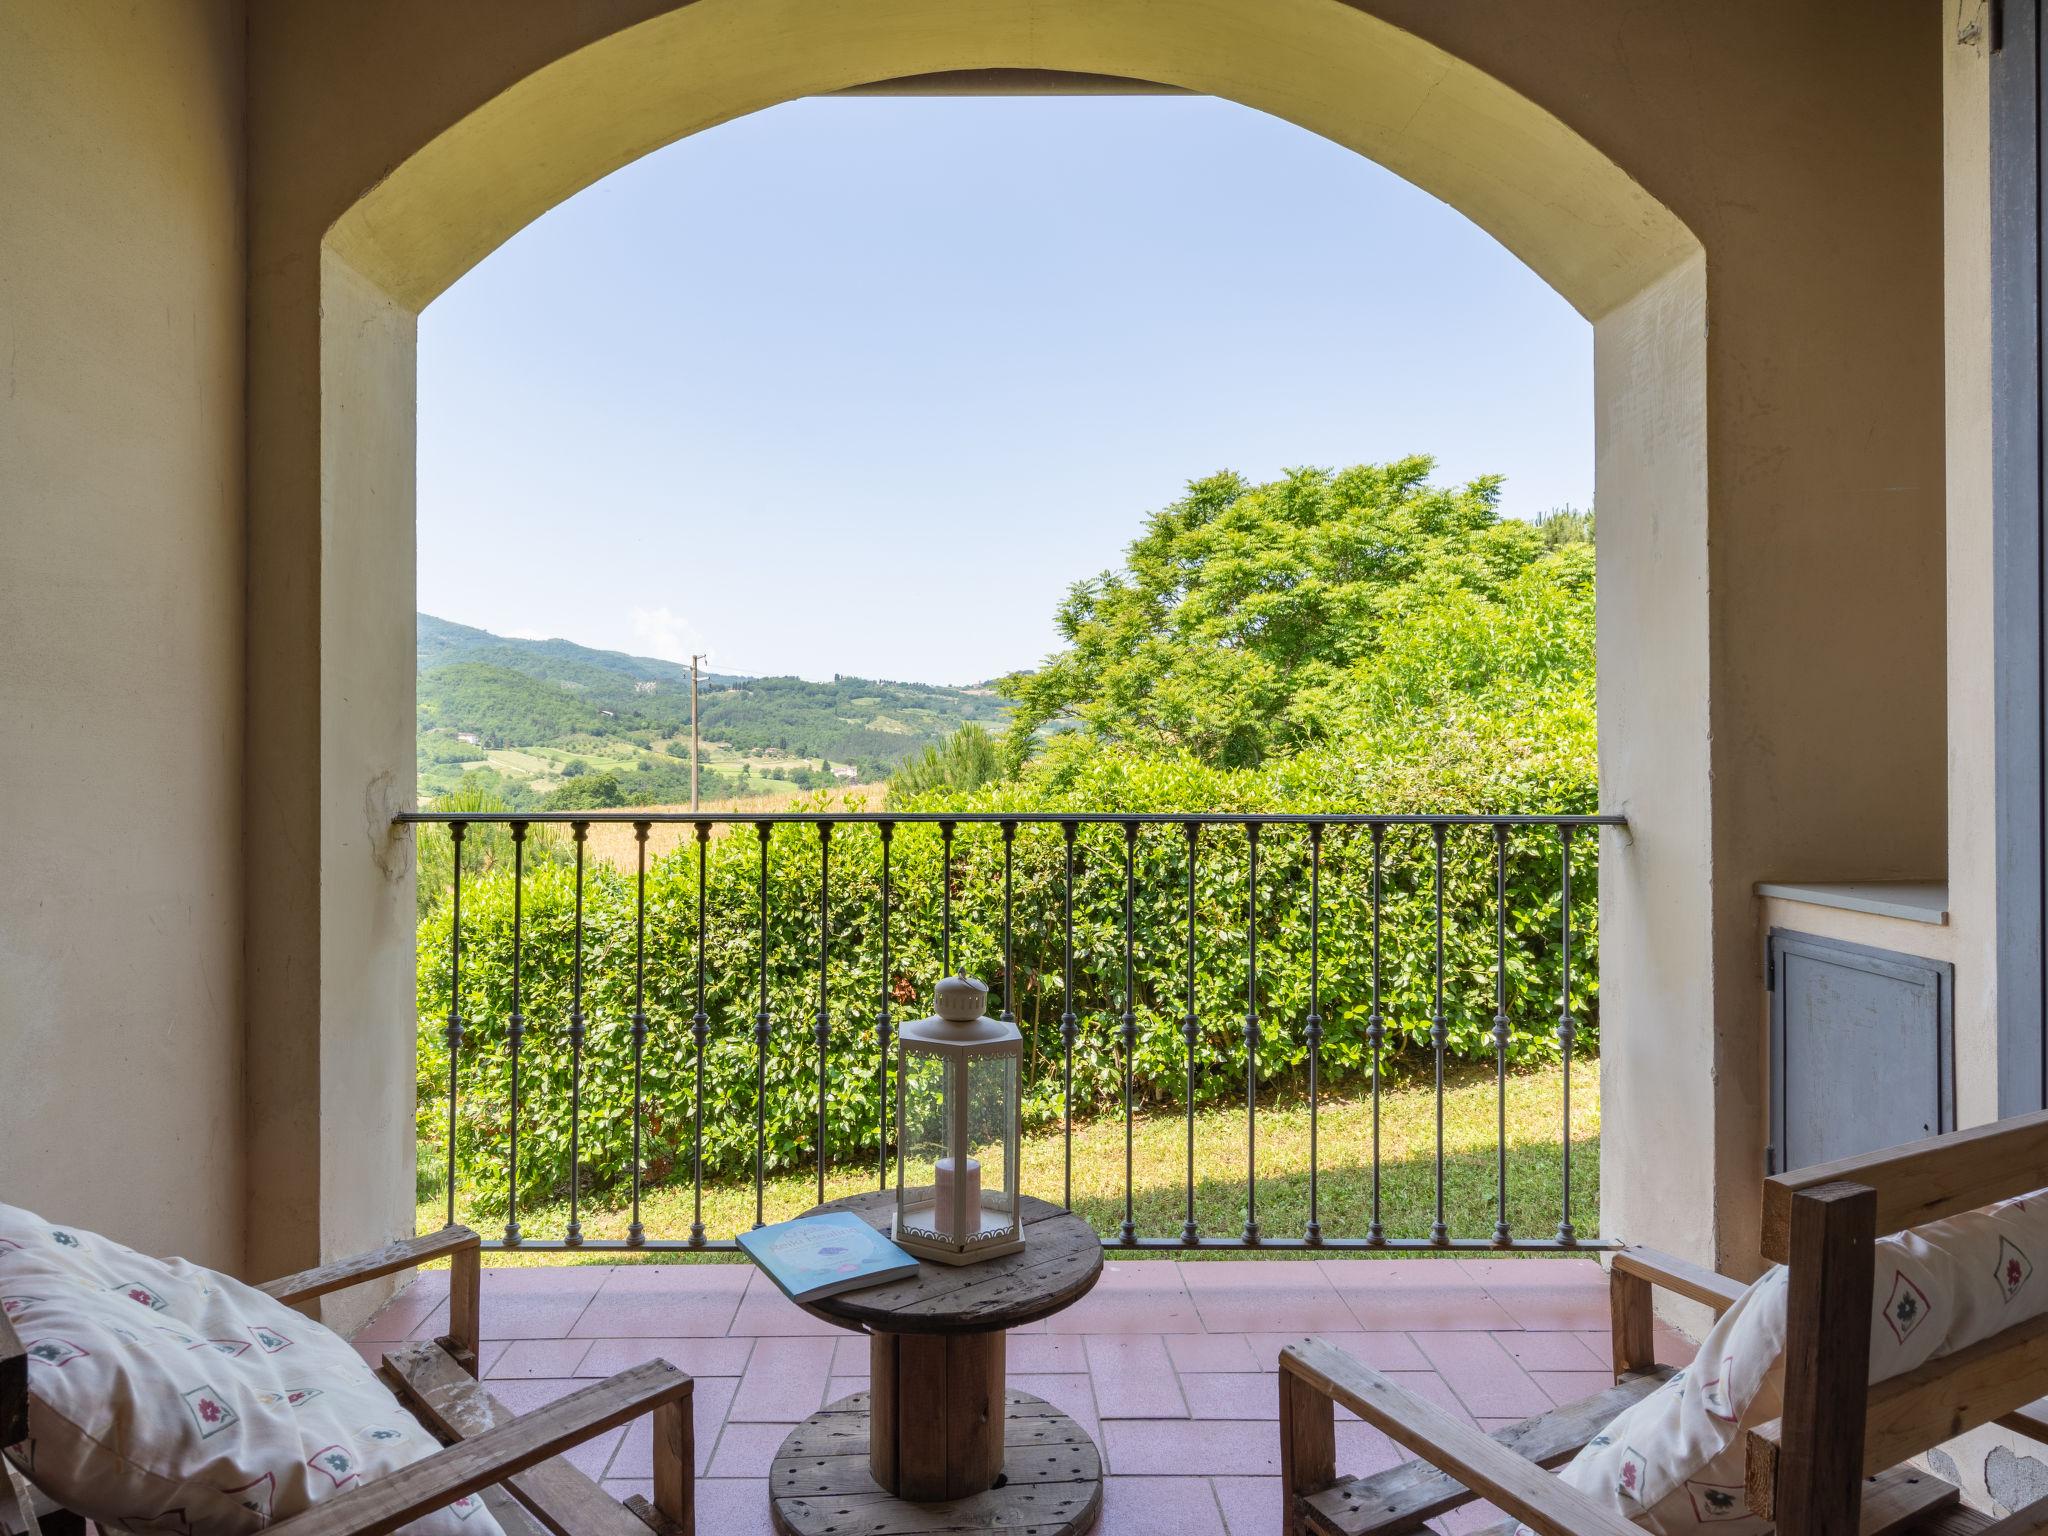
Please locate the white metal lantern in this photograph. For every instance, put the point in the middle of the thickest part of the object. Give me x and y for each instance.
(957, 1113)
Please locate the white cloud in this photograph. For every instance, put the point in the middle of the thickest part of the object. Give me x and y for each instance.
(664, 633)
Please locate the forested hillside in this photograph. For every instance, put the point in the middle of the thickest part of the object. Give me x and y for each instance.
(544, 713)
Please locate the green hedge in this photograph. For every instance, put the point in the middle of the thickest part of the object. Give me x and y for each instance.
(854, 980)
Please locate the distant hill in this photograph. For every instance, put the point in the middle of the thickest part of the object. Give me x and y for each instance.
(545, 711)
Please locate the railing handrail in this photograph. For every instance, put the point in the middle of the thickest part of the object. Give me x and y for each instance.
(627, 816)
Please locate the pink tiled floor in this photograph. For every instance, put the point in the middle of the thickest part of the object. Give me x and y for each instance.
(1170, 1366)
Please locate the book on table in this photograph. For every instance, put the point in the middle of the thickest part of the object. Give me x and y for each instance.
(813, 1257)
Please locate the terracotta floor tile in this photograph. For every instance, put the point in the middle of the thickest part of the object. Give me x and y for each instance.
(1043, 1353)
(1540, 1271)
(1673, 1347)
(1177, 1399)
(1429, 1385)
(539, 1357)
(1210, 1352)
(1484, 1376)
(545, 1279)
(636, 1311)
(1363, 1450)
(1381, 1351)
(1393, 1309)
(1303, 1309)
(1200, 1275)
(1134, 1377)
(709, 1401)
(732, 1506)
(1132, 1297)
(1569, 1386)
(1251, 1505)
(399, 1316)
(678, 1279)
(1553, 1351)
(1072, 1392)
(784, 1381)
(1552, 1307)
(837, 1387)
(746, 1450)
(1166, 1447)
(1159, 1506)
(699, 1357)
(524, 1394)
(592, 1457)
(1230, 1395)
(1476, 1516)
(765, 1312)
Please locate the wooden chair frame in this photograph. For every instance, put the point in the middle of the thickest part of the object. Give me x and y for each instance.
(1815, 1471)
(514, 1461)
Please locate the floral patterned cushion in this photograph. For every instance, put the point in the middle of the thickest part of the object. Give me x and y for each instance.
(1673, 1462)
(165, 1397)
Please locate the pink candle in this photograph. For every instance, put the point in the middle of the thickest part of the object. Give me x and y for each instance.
(942, 1190)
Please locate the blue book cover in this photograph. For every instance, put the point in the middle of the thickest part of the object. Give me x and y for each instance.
(818, 1256)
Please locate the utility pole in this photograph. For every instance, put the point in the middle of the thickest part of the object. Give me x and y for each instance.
(694, 660)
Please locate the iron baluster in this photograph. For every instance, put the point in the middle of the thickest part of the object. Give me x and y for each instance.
(1128, 1232)
(1375, 1032)
(1067, 1021)
(1009, 901)
(1190, 1233)
(456, 830)
(635, 1233)
(700, 1029)
(1251, 1041)
(761, 1041)
(1439, 1033)
(580, 830)
(1313, 1236)
(888, 830)
(515, 1033)
(824, 951)
(1502, 1236)
(946, 896)
(1566, 1032)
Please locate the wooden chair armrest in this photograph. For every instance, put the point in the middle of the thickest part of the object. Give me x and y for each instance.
(1681, 1277)
(1520, 1487)
(472, 1465)
(408, 1253)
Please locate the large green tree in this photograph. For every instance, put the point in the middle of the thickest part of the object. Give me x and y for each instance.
(1246, 620)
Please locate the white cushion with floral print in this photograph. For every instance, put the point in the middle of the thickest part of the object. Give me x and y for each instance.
(1673, 1462)
(165, 1397)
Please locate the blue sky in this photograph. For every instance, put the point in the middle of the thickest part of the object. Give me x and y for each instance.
(787, 390)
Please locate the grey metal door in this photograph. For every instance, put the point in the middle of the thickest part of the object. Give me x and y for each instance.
(1861, 1049)
(2019, 125)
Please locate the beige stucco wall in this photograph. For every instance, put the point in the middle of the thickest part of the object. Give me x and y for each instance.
(121, 455)
(1770, 415)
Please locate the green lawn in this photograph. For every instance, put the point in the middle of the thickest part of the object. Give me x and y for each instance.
(1159, 1164)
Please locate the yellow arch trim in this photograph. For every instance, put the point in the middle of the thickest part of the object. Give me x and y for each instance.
(1573, 215)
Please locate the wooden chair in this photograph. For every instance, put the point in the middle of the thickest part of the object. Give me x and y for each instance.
(1816, 1471)
(514, 1461)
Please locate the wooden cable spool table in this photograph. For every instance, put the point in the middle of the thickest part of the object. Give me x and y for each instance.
(936, 1428)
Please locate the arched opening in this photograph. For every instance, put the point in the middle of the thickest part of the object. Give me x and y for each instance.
(1579, 220)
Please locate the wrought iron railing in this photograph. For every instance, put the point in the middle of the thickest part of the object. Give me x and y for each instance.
(1510, 836)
